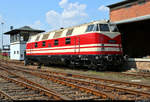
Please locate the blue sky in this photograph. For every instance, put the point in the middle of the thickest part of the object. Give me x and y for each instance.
(51, 14)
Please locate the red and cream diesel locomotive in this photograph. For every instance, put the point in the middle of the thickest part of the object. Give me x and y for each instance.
(95, 45)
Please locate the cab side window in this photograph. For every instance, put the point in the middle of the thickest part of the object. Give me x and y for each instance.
(90, 28)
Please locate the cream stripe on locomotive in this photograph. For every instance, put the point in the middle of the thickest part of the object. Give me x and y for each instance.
(88, 45)
(77, 50)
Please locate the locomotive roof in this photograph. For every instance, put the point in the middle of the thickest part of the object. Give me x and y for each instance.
(93, 22)
(66, 29)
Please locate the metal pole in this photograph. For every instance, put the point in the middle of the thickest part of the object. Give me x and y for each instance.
(2, 38)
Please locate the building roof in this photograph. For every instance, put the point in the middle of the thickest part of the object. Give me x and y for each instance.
(121, 3)
(25, 28)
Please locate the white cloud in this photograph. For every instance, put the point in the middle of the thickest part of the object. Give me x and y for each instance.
(72, 14)
(36, 25)
(62, 3)
(103, 8)
(53, 18)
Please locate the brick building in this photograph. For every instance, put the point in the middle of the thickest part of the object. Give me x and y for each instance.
(133, 20)
(129, 9)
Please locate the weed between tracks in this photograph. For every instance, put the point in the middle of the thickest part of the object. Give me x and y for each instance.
(104, 74)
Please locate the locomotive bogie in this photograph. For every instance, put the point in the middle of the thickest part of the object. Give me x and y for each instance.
(97, 61)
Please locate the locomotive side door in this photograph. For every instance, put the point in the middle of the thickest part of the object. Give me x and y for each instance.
(30, 49)
(77, 45)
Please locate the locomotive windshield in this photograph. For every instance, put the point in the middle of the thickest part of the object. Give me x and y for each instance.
(102, 27)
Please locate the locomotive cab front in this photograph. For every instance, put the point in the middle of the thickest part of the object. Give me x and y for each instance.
(109, 41)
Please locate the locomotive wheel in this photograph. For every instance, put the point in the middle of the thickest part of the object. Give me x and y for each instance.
(39, 66)
(72, 64)
(101, 68)
(92, 66)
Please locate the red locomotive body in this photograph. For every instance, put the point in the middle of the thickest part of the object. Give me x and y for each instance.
(96, 45)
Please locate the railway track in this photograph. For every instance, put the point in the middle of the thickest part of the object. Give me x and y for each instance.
(133, 74)
(141, 74)
(4, 96)
(73, 91)
(14, 89)
(137, 74)
(118, 90)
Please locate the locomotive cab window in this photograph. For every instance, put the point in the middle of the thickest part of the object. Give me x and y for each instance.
(102, 27)
(43, 43)
(36, 45)
(56, 42)
(90, 28)
(68, 40)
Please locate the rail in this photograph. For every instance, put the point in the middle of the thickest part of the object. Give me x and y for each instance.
(50, 77)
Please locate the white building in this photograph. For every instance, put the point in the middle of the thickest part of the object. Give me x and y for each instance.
(18, 39)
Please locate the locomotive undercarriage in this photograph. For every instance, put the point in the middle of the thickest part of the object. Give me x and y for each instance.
(94, 62)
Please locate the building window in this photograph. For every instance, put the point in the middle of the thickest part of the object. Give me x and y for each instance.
(69, 32)
(18, 37)
(14, 52)
(21, 38)
(17, 52)
(36, 44)
(68, 40)
(15, 38)
(141, 2)
(43, 43)
(26, 37)
(21, 55)
(90, 28)
(56, 42)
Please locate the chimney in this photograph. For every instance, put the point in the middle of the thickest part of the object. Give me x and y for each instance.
(11, 27)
